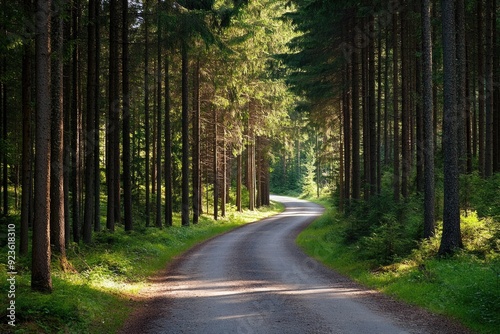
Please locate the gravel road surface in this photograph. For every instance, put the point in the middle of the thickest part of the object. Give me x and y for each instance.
(256, 280)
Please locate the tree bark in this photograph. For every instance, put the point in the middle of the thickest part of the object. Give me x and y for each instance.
(428, 113)
(158, 222)
(488, 148)
(451, 239)
(168, 148)
(356, 179)
(216, 167)
(196, 145)
(27, 180)
(395, 76)
(481, 77)
(146, 111)
(89, 216)
(113, 119)
(75, 185)
(40, 271)
(238, 181)
(185, 137)
(127, 182)
(57, 214)
(96, 142)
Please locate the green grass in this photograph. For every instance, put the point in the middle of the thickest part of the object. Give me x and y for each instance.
(465, 287)
(99, 294)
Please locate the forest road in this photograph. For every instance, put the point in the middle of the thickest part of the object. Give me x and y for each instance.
(256, 280)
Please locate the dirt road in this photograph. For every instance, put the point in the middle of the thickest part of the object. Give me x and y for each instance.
(255, 280)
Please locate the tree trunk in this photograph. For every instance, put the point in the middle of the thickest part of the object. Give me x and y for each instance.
(113, 122)
(371, 110)
(185, 137)
(127, 182)
(224, 174)
(216, 168)
(146, 111)
(461, 80)
(395, 74)
(57, 222)
(451, 239)
(158, 127)
(97, 173)
(196, 144)
(168, 148)
(238, 181)
(75, 129)
(89, 216)
(356, 179)
(40, 271)
(405, 106)
(428, 113)
(27, 82)
(480, 77)
(488, 148)
(347, 136)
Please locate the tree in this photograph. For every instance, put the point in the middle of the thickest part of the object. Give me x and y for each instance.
(113, 150)
(27, 180)
(146, 110)
(40, 272)
(429, 192)
(127, 182)
(185, 135)
(57, 214)
(88, 219)
(451, 239)
(168, 148)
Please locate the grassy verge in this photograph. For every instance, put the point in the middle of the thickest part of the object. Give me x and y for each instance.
(96, 296)
(465, 287)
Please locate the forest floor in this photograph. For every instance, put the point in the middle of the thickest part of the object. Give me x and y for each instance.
(256, 280)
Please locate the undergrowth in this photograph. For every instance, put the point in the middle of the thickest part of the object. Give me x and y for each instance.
(98, 294)
(379, 244)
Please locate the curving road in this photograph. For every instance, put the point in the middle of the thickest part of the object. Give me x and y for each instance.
(255, 280)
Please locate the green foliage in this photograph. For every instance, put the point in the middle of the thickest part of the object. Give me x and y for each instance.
(465, 287)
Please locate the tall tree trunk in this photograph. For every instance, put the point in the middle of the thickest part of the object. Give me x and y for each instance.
(216, 167)
(480, 77)
(97, 109)
(379, 111)
(372, 110)
(75, 130)
(57, 222)
(224, 173)
(395, 84)
(40, 271)
(113, 122)
(27, 82)
(185, 137)
(89, 216)
(146, 111)
(428, 113)
(127, 182)
(239, 173)
(347, 136)
(158, 127)
(451, 239)
(488, 148)
(496, 93)
(461, 80)
(405, 106)
(196, 144)
(168, 148)
(356, 179)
